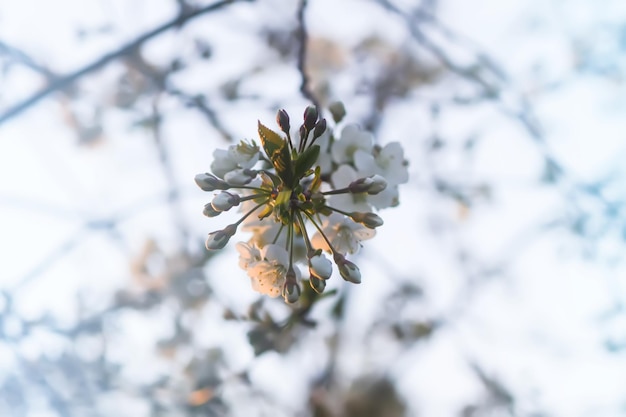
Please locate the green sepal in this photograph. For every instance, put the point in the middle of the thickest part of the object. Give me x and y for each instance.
(269, 180)
(270, 140)
(306, 160)
(283, 197)
(267, 210)
(316, 184)
(277, 150)
(281, 159)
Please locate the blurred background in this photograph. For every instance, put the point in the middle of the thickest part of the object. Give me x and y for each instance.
(495, 288)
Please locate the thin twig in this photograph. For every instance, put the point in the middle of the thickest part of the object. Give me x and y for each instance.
(24, 59)
(200, 103)
(303, 38)
(435, 50)
(70, 79)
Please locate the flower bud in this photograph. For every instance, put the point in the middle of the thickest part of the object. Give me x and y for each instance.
(378, 184)
(291, 289)
(303, 133)
(320, 128)
(310, 117)
(318, 285)
(320, 267)
(337, 110)
(369, 220)
(209, 182)
(371, 185)
(219, 239)
(282, 118)
(348, 270)
(209, 211)
(224, 201)
(240, 176)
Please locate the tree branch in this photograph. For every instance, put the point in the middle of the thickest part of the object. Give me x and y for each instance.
(69, 79)
(305, 88)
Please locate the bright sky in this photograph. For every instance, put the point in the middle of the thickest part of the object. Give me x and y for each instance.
(538, 328)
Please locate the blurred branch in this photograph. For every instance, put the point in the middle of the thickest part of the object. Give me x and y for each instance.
(169, 172)
(197, 101)
(54, 256)
(411, 22)
(303, 39)
(200, 103)
(24, 59)
(67, 80)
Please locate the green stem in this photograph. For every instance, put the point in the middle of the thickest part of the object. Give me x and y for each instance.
(303, 140)
(319, 229)
(338, 211)
(340, 191)
(246, 187)
(289, 232)
(252, 197)
(282, 226)
(251, 211)
(292, 227)
(305, 236)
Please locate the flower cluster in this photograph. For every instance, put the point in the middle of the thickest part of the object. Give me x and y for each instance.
(310, 191)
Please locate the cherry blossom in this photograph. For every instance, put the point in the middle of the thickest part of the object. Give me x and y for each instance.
(302, 193)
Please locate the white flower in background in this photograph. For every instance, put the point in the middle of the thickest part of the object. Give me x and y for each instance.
(341, 178)
(386, 198)
(343, 233)
(238, 157)
(245, 153)
(352, 139)
(239, 176)
(249, 254)
(325, 161)
(222, 163)
(310, 193)
(389, 163)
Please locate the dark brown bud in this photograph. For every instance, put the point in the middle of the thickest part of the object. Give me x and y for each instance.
(320, 128)
(282, 118)
(310, 117)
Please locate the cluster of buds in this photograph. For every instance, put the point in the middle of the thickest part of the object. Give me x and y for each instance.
(311, 193)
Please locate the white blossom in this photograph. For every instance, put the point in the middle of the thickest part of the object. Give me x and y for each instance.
(294, 206)
(341, 178)
(352, 139)
(388, 162)
(268, 274)
(249, 253)
(239, 176)
(386, 198)
(344, 234)
(244, 154)
(222, 163)
(237, 157)
(324, 161)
